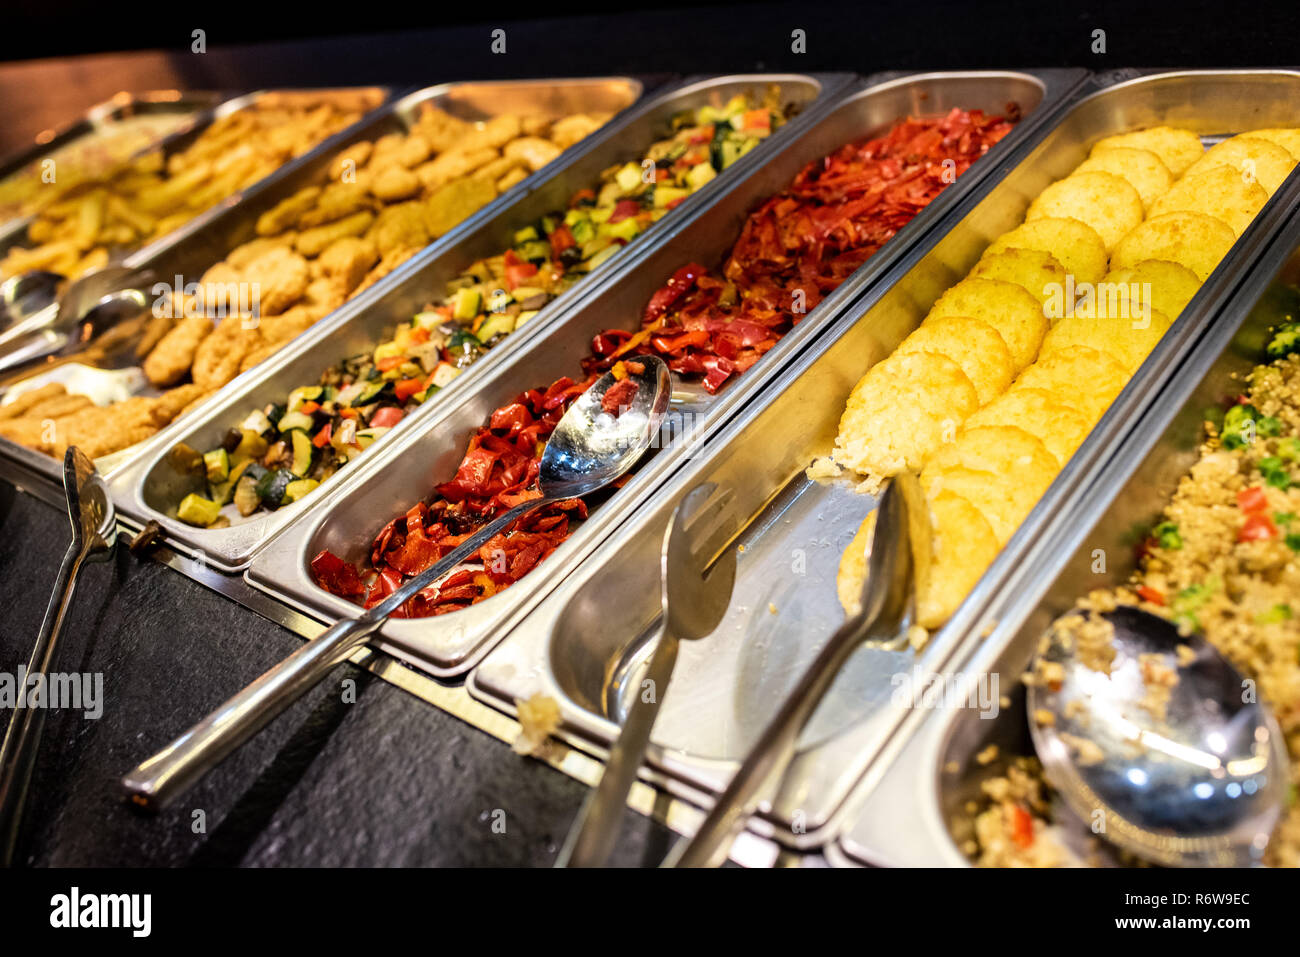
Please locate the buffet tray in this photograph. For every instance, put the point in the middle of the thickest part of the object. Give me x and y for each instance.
(401, 475)
(587, 644)
(205, 240)
(150, 488)
(903, 811)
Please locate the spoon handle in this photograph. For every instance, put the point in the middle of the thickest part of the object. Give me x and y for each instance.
(23, 737)
(173, 770)
(169, 773)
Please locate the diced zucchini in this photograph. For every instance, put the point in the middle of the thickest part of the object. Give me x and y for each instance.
(525, 235)
(428, 320)
(367, 436)
(296, 490)
(628, 178)
(575, 216)
(609, 252)
(525, 316)
(623, 229)
(583, 230)
(302, 453)
(495, 326)
(197, 510)
(246, 498)
(444, 374)
(699, 176)
(293, 421)
(371, 389)
(466, 303)
(307, 393)
(251, 446)
(256, 422)
(217, 463)
(388, 350)
(536, 251)
(271, 488)
(523, 293)
(668, 194)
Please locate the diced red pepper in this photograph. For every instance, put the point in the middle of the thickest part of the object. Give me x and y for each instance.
(1153, 595)
(405, 388)
(335, 575)
(624, 209)
(618, 395)
(308, 408)
(1252, 499)
(323, 437)
(759, 119)
(1258, 527)
(387, 417)
(1022, 826)
(561, 239)
(389, 363)
(517, 271)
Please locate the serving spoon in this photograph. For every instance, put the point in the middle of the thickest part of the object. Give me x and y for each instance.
(1200, 785)
(94, 532)
(588, 450)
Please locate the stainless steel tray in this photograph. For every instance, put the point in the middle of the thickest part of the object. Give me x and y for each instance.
(586, 643)
(149, 488)
(98, 119)
(189, 251)
(405, 471)
(903, 811)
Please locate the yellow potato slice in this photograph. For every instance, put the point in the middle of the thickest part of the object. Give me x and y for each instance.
(1194, 240)
(1083, 378)
(1075, 245)
(1143, 170)
(1219, 191)
(1059, 427)
(1167, 287)
(1254, 159)
(963, 546)
(1106, 202)
(900, 412)
(853, 568)
(1287, 138)
(1033, 270)
(1000, 449)
(974, 345)
(1005, 306)
(1177, 149)
(1128, 340)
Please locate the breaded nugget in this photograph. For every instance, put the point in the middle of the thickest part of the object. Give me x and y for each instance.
(1060, 427)
(175, 402)
(455, 202)
(241, 256)
(1128, 340)
(516, 175)
(171, 359)
(395, 183)
(57, 406)
(569, 130)
(1035, 271)
(415, 149)
(346, 261)
(399, 227)
(32, 433)
(534, 151)
(337, 201)
(1287, 138)
(493, 134)
(1075, 245)
(1083, 378)
(1143, 170)
(31, 398)
(1219, 191)
(1253, 158)
(286, 212)
(350, 159)
(312, 242)
(99, 431)
(217, 360)
(1014, 313)
(1165, 286)
(390, 261)
(1106, 202)
(1194, 240)
(900, 412)
(963, 545)
(1177, 149)
(973, 344)
(453, 166)
(281, 276)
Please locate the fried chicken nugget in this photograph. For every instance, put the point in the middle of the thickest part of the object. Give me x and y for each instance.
(399, 227)
(99, 430)
(281, 277)
(312, 242)
(239, 257)
(176, 402)
(571, 129)
(285, 213)
(533, 150)
(30, 399)
(337, 201)
(27, 432)
(346, 261)
(172, 357)
(58, 406)
(493, 134)
(350, 160)
(217, 360)
(454, 202)
(453, 165)
(395, 183)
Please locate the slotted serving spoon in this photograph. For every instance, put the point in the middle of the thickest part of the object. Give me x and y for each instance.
(94, 532)
(588, 449)
(886, 600)
(695, 591)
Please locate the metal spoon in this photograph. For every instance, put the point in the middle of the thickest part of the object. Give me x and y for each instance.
(1201, 786)
(887, 597)
(26, 294)
(94, 531)
(588, 449)
(695, 591)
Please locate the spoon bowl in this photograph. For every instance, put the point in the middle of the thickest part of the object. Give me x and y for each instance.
(1167, 751)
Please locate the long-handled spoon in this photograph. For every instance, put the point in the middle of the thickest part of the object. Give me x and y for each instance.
(887, 594)
(94, 531)
(695, 591)
(589, 448)
(1169, 754)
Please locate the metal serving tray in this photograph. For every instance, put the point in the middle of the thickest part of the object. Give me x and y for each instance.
(404, 473)
(903, 812)
(587, 643)
(205, 240)
(150, 488)
(97, 120)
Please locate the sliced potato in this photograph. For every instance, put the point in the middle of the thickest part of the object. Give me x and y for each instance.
(1034, 270)
(1254, 159)
(1106, 202)
(1014, 313)
(1194, 240)
(1128, 340)
(1177, 149)
(1084, 378)
(1287, 138)
(1143, 170)
(973, 344)
(963, 546)
(1074, 244)
(1168, 287)
(900, 412)
(1060, 427)
(1219, 191)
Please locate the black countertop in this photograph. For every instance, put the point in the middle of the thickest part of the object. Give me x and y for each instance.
(388, 780)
